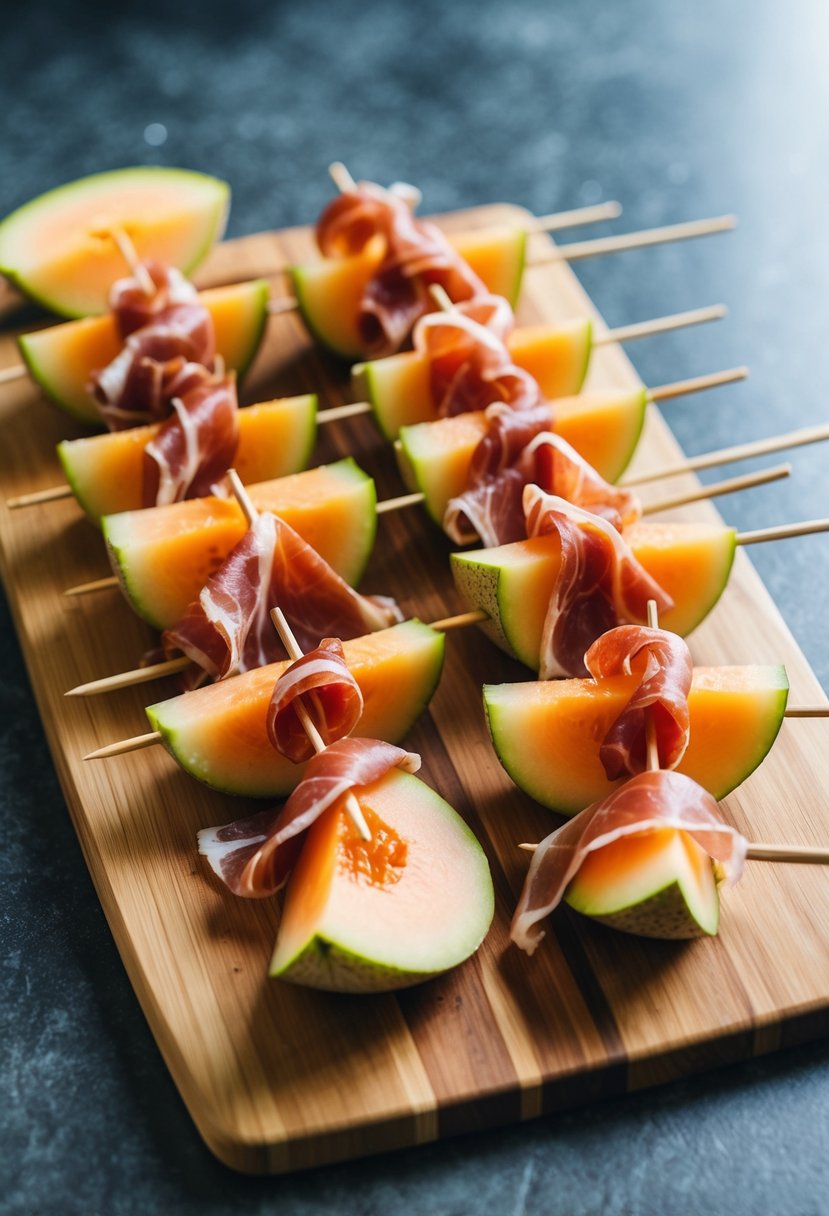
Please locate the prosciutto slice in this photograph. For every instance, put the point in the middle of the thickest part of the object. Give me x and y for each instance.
(652, 800)
(470, 366)
(600, 583)
(320, 681)
(665, 669)
(415, 255)
(254, 856)
(157, 363)
(228, 628)
(133, 308)
(518, 449)
(196, 445)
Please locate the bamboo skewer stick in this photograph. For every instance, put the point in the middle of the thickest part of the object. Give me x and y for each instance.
(741, 451)
(309, 726)
(729, 486)
(796, 854)
(651, 743)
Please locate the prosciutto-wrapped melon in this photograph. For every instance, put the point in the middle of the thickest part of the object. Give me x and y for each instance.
(163, 556)
(62, 358)
(219, 734)
(105, 472)
(547, 734)
(513, 583)
(399, 391)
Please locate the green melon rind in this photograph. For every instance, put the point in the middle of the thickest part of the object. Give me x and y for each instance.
(83, 407)
(665, 915)
(117, 535)
(54, 198)
(520, 262)
(634, 435)
(507, 744)
(588, 351)
(283, 776)
(313, 322)
(370, 382)
(337, 966)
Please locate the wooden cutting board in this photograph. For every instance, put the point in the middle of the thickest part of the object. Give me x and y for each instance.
(279, 1078)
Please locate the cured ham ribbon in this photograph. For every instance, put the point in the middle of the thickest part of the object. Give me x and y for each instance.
(651, 800)
(599, 584)
(157, 363)
(470, 366)
(415, 254)
(518, 449)
(133, 308)
(194, 448)
(254, 856)
(322, 682)
(228, 628)
(662, 696)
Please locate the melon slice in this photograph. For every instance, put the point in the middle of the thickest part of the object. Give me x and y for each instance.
(328, 290)
(54, 251)
(218, 733)
(398, 387)
(62, 358)
(105, 472)
(547, 734)
(604, 428)
(513, 583)
(163, 556)
(414, 902)
(658, 883)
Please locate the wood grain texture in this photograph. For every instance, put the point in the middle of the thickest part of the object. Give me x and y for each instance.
(278, 1078)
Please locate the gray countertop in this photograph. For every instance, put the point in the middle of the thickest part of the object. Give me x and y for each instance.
(679, 111)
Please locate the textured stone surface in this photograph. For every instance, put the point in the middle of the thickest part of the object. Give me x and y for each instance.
(677, 110)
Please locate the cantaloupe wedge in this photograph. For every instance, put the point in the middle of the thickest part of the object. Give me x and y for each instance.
(398, 387)
(658, 883)
(163, 556)
(328, 290)
(513, 583)
(547, 734)
(55, 250)
(105, 472)
(434, 457)
(218, 733)
(62, 357)
(415, 901)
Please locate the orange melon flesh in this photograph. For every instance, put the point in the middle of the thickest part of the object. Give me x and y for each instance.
(218, 733)
(54, 250)
(658, 883)
(329, 290)
(62, 358)
(350, 924)
(163, 556)
(603, 427)
(547, 734)
(513, 583)
(105, 472)
(398, 387)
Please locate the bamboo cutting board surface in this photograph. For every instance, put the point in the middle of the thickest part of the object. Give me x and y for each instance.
(280, 1078)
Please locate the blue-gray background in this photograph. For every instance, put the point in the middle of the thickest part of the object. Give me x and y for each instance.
(679, 110)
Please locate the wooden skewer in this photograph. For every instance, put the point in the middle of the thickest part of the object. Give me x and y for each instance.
(651, 743)
(741, 451)
(130, 255)
(797, 854)
(729, 486)
(309, 726)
